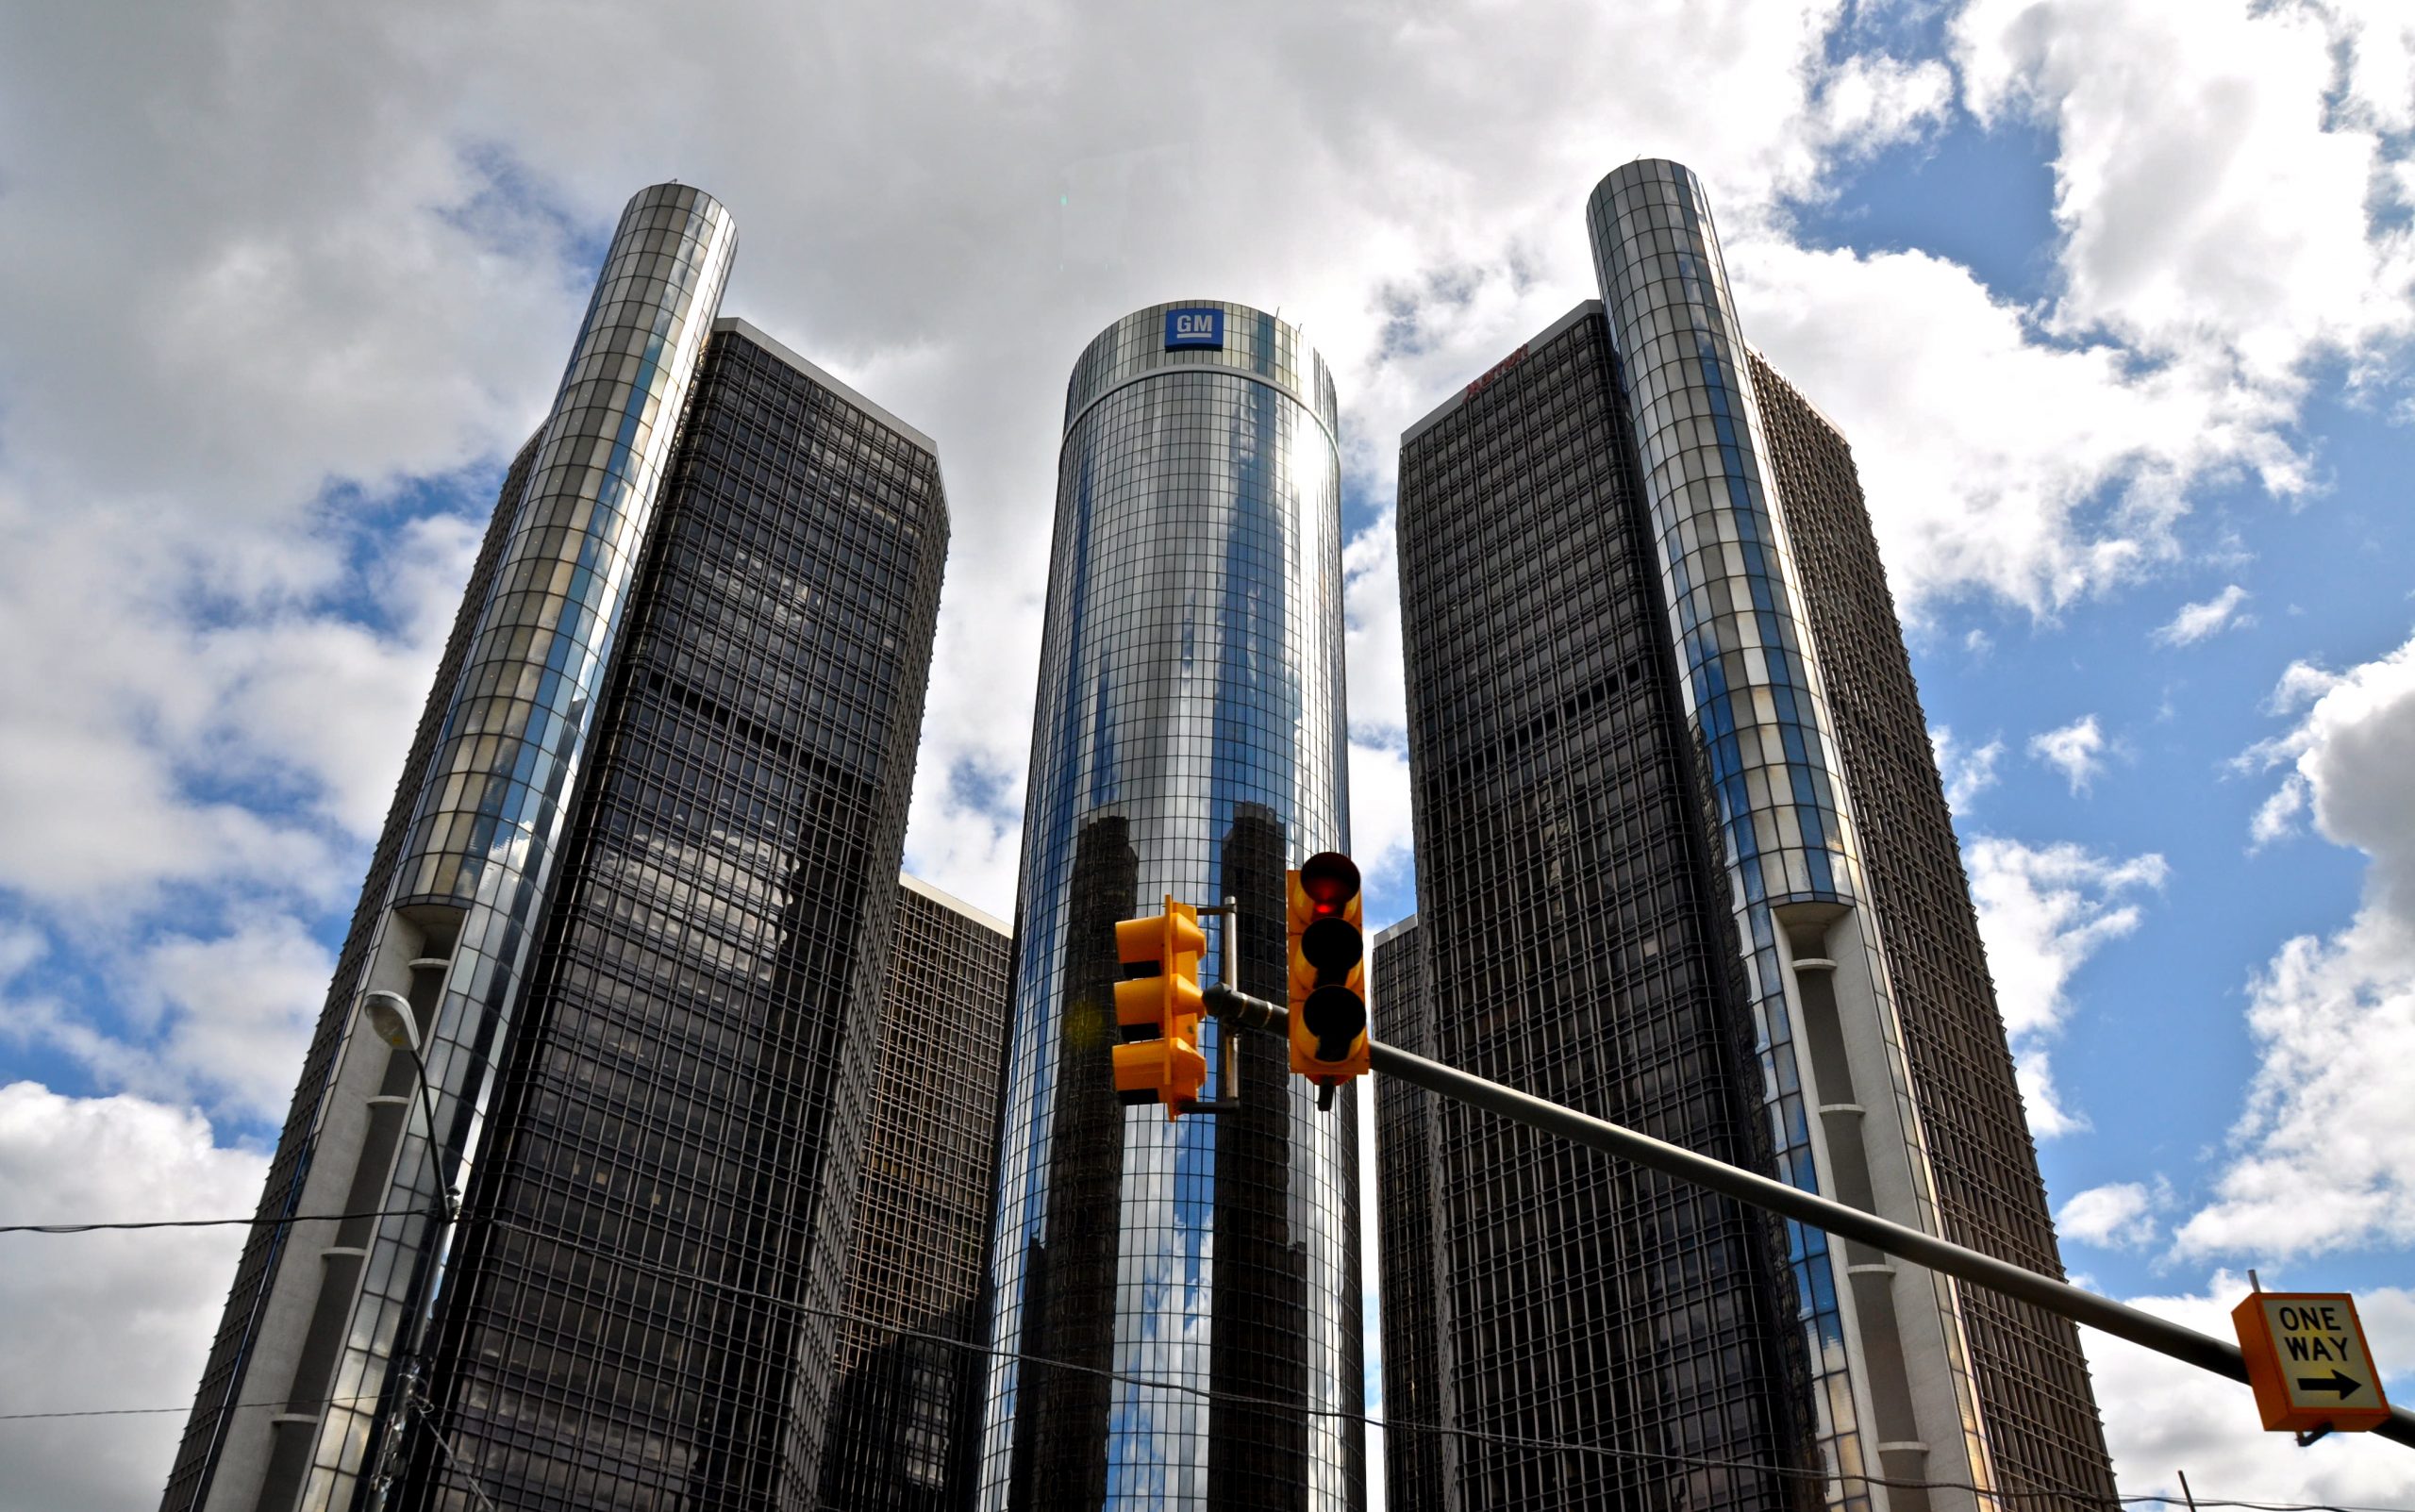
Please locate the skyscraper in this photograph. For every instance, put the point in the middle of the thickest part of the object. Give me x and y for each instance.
(901, 1419)
(639, 886)
(1177, 1303)
(1571, 940)
(2033, 1383)
(1650, 723)
(1409, 1158)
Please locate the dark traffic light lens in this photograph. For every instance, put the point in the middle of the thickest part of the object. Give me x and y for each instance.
(1332, 947)
(1331, 879)
(1335, 1016)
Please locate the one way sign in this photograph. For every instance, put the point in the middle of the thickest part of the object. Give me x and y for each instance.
(2306, 1358)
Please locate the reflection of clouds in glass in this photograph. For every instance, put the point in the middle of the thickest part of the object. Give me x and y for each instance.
(1190, 698)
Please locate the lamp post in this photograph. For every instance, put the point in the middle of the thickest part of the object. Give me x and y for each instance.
(391, 1018)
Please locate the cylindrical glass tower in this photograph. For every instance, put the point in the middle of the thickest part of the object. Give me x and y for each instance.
(479, 862)
(1893, 1393)
(1177, 1303)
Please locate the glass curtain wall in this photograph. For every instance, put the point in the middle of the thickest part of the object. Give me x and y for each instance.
(1572, 940)
(478, 868)
(1190, 740)
(1755, 699)
(643, 1295)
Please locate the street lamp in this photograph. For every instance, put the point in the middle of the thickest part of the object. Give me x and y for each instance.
(391, 1018)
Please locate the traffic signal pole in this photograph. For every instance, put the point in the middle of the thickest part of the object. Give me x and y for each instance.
(2059, 1297)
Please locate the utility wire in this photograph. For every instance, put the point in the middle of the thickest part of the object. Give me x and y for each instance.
(141, 1412)
(445, 1447)
(214, 1222)
(420, 1405)
(1209, 1394)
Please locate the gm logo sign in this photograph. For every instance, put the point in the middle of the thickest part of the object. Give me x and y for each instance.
(1196, 327)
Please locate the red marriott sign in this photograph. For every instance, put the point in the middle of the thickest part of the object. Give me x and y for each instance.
(1496, 371)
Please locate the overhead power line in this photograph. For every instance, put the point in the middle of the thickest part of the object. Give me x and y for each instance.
(2064, 1495)
(254, 1221)
(445, 1447)
(2003, 1498)
(145, 1412)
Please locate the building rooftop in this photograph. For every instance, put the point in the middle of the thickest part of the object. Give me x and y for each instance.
(788, 355)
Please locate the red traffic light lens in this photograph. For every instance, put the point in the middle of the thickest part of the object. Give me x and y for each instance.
(1331, 879)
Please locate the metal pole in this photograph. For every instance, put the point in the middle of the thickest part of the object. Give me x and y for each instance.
(396, 1422)
(435, 1151)
(2059, 1297)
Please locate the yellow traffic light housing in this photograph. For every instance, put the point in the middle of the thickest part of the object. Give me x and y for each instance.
(1160, 1060)
(1328, 972)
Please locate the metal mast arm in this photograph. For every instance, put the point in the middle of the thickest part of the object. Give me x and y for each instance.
(2059, 1297)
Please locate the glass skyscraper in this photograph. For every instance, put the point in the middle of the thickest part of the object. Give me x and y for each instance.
(1175, 1303)
(1571, 940)
(639, 885)
(900, 1436)
(1655, 692)
(1408, 1159)
(2032, 1380)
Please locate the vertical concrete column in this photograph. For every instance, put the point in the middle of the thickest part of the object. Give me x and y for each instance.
(1892, 1383)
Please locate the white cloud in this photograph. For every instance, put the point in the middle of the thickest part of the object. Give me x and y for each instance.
(1380, 829)
(221, 1022)
(1371, 636)
(1379, 817)
(1871, 101)
(2045, 454)
(20, 947)
(229, 1018)
(1966, 772)
(2349, 749)
(2049, 1118)
(2119, 1216)
(143, 749)
(2162, 1417)
(2318, 1160)
(2043, 911)
(2195, 622)
(2300, 684)
(2220, 178)
(95, 1321)
(2076, 749)
(2276, 817)
(1925, 369)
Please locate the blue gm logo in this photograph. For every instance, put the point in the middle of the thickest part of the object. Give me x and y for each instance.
(1196, 327)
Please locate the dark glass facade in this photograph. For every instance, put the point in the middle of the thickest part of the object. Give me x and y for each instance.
(681, 1129)
(1684, 861)
(1408, 1159)
(2032, 1382)
(1175, 1303)
(899, 1438)
(640, 889)
(1569, 917)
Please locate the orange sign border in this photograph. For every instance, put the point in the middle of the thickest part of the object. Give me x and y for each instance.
(2266, 1369)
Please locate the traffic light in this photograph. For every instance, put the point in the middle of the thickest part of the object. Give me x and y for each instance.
(1328, 973)
(1160, 1061)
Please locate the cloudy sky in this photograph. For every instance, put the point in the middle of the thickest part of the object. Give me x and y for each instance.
(2112, 296)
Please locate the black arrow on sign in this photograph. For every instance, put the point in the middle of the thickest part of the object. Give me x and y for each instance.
(2341, 1382)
